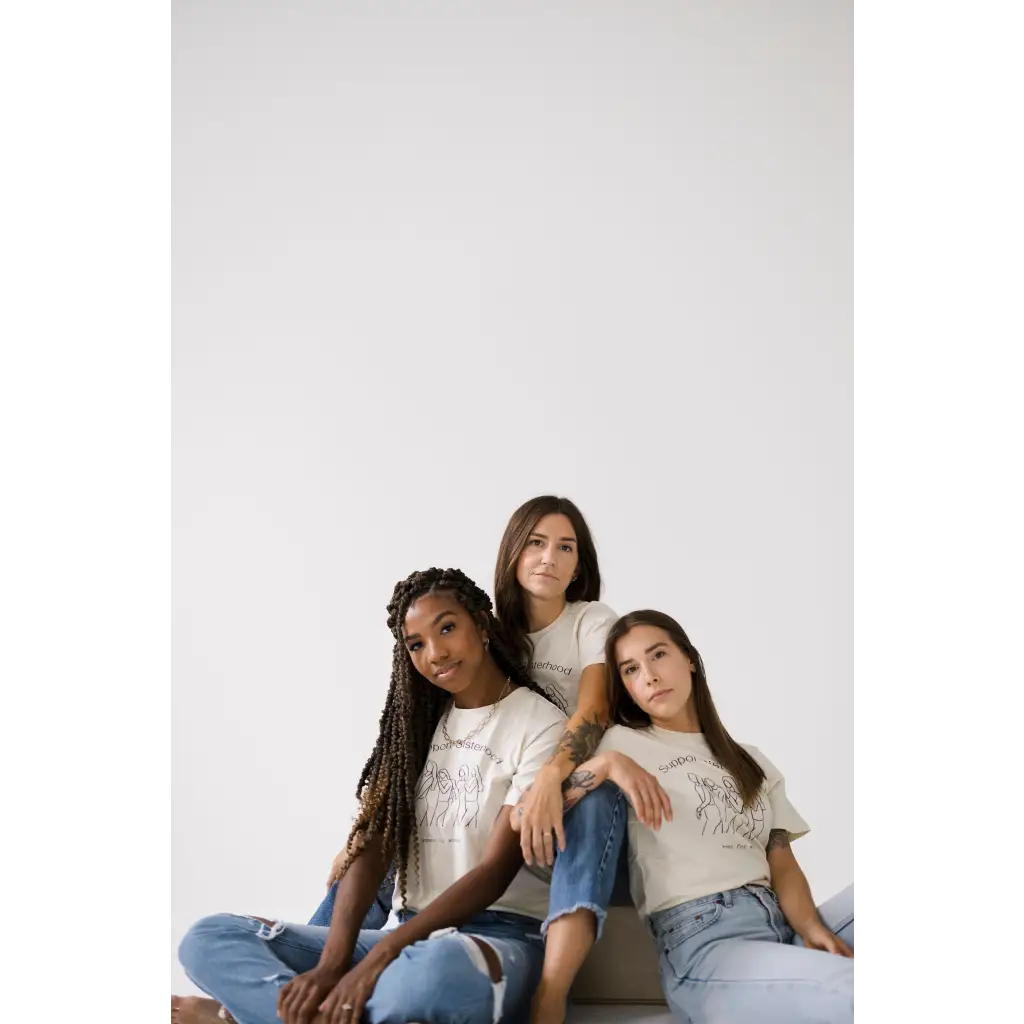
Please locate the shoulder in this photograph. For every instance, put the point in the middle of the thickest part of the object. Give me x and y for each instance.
(771, 772)
(592, 615)
(623, 739)
(536, 712)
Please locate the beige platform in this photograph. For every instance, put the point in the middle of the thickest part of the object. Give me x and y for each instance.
(622, 968)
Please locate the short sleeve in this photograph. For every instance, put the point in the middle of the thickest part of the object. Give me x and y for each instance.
(784, 815)
(614, 738)
(537, 753)
(596, 620)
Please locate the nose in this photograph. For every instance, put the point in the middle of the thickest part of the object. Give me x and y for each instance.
(437, 651)
(650, 676)
(548, 557)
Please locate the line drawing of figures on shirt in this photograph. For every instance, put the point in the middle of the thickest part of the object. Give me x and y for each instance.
(706, 791)
(426, 805)
(469, 785)
(725, 805)
(442, 800)
(558, 699)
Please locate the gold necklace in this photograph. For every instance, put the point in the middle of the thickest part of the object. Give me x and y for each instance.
(494, 707)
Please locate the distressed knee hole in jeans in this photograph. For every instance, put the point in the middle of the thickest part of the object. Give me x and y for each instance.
(268, 929)
(477, 949)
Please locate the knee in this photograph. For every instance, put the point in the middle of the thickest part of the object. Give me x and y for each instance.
(437, 985)
(836, 994)
(201, 938)
(597, 808)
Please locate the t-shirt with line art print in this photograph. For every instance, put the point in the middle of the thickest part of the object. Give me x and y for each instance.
(714, 842)
(464, 786)
(570, 644)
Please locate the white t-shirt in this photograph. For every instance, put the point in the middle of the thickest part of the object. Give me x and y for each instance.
(712, 843)
(463, 787)
(562, 650)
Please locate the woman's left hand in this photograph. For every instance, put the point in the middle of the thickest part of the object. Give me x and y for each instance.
(817, 936)
(540, 814)
(345, 1003)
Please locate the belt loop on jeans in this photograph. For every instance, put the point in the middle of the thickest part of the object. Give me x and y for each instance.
(727, 898)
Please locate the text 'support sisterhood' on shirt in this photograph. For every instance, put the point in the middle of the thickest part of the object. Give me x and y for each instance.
(713, 842)
(462, 788)
(572, 643)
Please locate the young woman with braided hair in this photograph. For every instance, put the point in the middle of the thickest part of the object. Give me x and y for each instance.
(463, 734)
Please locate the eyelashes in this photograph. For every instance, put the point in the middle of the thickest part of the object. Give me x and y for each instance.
(417, 644)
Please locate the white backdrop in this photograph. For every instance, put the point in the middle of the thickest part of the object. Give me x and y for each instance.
(432, 260)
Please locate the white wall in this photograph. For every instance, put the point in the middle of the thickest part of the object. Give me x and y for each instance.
(431, 260)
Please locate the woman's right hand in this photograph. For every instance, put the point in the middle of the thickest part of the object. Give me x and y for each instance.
(299, 1001)
(642, 790)
(337, 867)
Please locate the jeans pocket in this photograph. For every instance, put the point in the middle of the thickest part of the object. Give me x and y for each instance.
(688, 924)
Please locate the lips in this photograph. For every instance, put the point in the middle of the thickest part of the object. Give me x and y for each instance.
(657, 695)
(447, 671)
(546, 575)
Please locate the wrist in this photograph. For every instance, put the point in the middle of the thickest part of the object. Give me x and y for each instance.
(385, 951)
(331, 967)
(609, 763)
(550, 774)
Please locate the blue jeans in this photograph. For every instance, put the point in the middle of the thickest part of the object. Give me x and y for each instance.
(242, 962)
(376, 916)
(593, 872)
(732, 957)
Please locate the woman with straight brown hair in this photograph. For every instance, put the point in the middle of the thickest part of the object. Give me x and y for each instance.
(546, 588)
(724, 898)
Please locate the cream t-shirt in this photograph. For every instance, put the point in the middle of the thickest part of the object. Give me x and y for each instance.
(713, 843)
(463, 787)
(562, 650)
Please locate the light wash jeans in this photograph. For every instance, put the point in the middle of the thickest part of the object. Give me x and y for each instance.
(242, 962)
(593, 872)
(732, 957)
(376, 916)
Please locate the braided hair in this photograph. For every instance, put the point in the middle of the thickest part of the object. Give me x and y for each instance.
(412, 710)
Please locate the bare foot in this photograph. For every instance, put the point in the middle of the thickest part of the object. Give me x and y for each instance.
(547, 1008)
(195, 1010)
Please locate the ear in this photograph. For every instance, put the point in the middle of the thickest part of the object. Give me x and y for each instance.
(481, 622)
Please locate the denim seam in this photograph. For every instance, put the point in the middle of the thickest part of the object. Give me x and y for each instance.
(616, 812)
(688, 980)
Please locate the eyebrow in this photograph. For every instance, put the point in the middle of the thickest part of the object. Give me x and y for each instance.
(437, 619)
(544, 536)
(653, 647)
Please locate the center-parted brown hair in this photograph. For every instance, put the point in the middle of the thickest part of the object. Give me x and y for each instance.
(412, 710)
(749, 775)
(508, 595)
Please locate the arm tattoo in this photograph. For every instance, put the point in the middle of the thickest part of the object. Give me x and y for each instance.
(581, 743)
(777, 837)
(571, 788)
(579, 779)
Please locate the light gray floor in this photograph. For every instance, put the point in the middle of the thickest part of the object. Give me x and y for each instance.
(612, 1014)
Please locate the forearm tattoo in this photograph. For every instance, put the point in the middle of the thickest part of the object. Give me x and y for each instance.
(778, 837)
(581, 742)
(579, 779)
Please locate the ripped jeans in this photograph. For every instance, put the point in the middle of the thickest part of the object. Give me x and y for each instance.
(242, 962)
(592, 873)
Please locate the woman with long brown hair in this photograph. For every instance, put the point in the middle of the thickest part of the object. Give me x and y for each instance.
(547, 586)
(723, 896)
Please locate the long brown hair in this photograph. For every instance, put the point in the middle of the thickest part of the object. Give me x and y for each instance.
(387, 786)
(508, 595)
(749, 775)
